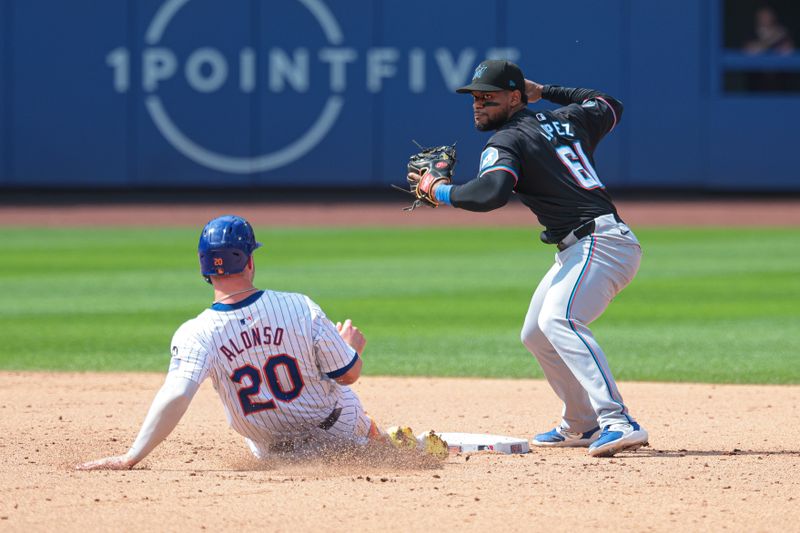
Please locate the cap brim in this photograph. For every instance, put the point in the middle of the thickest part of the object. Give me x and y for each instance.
(485, 87)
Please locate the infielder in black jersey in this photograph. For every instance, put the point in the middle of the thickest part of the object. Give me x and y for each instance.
(547, 159)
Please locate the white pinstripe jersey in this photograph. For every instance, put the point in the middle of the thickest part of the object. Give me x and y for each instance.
(272, 358)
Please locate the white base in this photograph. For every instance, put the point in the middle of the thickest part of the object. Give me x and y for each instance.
(475, 442)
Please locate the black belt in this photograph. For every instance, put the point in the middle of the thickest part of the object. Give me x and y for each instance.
(584, 230)
(331, 420)
(288, 446)
(580, 232)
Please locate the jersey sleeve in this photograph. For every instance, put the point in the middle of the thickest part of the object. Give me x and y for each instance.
(334, 356)
(498, 174)
(595, 115)
(500, 156)
(596, 112)
(190, 358)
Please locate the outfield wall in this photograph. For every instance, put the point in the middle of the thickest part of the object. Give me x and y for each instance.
(186, 93)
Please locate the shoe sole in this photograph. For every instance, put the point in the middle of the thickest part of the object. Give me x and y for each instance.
(563, 444)
(630, 442)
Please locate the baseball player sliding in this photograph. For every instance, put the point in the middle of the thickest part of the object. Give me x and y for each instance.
(547, 159)
(281, 368)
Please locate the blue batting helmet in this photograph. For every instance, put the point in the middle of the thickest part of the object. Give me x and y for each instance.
(225, 246)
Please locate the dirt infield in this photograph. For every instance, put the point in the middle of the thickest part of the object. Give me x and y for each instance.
(722, 458)
(635, 213)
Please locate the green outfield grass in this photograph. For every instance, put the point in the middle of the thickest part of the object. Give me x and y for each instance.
(708, 305)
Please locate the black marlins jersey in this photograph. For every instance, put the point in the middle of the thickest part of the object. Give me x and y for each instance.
(551, 156)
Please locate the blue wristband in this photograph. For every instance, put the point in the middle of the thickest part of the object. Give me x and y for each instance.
(443, 194)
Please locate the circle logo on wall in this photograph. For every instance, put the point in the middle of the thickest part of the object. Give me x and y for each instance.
(206, 69)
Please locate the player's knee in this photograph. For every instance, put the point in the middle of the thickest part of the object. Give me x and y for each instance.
(551, 326)
(532, 336)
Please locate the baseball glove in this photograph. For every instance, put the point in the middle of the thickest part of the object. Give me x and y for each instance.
(427, 168)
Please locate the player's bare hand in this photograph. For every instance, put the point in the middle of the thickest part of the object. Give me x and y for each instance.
(413, 177)
(533, 90)
(352, 335)
(119, 462)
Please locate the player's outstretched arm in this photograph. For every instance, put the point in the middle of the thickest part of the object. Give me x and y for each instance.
(165, 412)
(487, 192)
(568, 95)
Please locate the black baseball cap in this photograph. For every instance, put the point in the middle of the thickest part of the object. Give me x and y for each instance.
(496, 75)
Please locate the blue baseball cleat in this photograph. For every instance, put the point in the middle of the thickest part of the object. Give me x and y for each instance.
(560, 437)
(618, 437)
